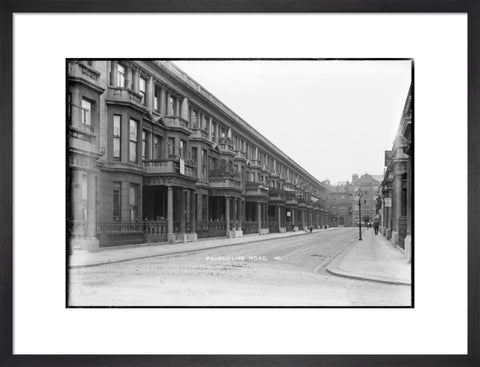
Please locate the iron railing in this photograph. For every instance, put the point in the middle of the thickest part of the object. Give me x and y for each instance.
(211, 229)
(273, 227)
(119, 233)
(250, 227)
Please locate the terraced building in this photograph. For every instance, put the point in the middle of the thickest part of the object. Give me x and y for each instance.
(154, 157)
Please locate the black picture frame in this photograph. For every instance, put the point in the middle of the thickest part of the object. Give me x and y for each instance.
(9, 7)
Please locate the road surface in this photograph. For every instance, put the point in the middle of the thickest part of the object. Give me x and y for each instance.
(282, 272)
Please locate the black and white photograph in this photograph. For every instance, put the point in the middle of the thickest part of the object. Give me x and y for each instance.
(240, 182)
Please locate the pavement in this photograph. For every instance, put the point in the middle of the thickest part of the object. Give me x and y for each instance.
(115, 254)
(375, 259)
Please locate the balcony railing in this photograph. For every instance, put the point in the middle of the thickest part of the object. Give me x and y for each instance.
(274, 192)
(225, 145)
(255, 163)
(273, 172)
(77, 69)
(255, 188)
(175, 153)
(222, 172)
(254, 185)
(125, 95)
(175, 122)
(199, 133)
(83, 132)
(159, 166)
(216, 182)
(241, 154)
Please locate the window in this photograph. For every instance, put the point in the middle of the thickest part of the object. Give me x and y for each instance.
(194, 119)
(86, 112)
(133, 202)
(194, 154)
(204, 164)
(213, 131)
(144, 144)
(133, 141)
(117, 136)
(120, 76)
(172, 106)
(171, 146)
(117, 197)
(142, 88)
(156, 147)
(183, 146)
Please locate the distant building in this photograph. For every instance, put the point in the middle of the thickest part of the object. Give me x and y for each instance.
(369, 186)
(397, 184)
(340, 203)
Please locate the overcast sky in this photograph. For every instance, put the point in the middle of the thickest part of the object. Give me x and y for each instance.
(334, 118)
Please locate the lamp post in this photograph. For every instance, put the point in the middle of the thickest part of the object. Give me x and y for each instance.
(360, 194)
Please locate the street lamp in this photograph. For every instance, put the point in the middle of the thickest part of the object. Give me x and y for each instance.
(360, 194)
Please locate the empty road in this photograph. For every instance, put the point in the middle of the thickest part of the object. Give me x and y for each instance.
(281, 272)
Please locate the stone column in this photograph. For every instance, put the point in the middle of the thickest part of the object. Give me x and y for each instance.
(193, 215)
(397, 206)
(235, 214)
(92, 242)
(279, 214)
(188, 206)
(128, 78)
(259, 216)
(241, 214)
(397, 200)
(114, 73)
(408, 238)
(170, 235)
(199, 163)
(184, 110)
(227, 215)
(135, 80)
(162, 101)
(265, 215)
(149, 93)
(209, 124)
(182, 211)
(199, 207)
(217, 131)
(409, 196)
(168, 108)
(176, 109)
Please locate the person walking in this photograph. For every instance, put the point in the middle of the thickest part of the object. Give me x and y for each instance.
(375, 226)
